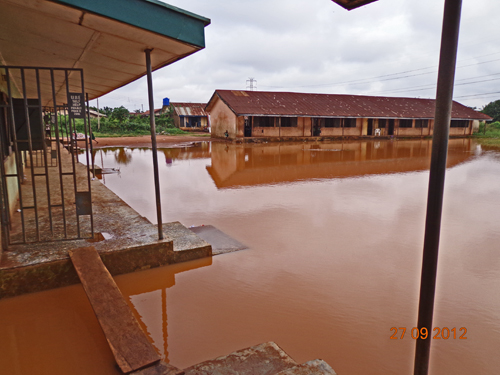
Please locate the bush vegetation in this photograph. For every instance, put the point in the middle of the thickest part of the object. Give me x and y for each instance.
(120, 123)
(490, 137)
(492, 130)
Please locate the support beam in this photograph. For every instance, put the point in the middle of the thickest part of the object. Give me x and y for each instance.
(153, 142)
(444, 96)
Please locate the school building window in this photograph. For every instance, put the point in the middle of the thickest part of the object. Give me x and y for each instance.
(349, 123)
(289, 122)
(331, 122)
(459, 123)
(421, 123)
(405, 123)
(263, 122)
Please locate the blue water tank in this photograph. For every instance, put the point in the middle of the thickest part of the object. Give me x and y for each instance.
(166, 101)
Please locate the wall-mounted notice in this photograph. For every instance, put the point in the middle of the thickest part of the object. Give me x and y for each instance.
(76, 103)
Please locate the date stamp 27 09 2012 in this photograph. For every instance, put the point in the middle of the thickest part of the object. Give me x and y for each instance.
(438, 333)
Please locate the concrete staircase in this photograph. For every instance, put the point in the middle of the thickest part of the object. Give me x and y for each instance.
(264, 359)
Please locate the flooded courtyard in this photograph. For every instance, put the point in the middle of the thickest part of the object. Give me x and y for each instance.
(335, 237)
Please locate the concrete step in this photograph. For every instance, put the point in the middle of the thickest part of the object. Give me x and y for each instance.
(315, 367)
(187, 245)
(264, 359)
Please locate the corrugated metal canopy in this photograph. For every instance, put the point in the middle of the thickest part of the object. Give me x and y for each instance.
(189, 109)
(352, 4)
(268, 103)
(106, 39)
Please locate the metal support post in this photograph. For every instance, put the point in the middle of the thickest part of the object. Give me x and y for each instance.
(153, 142)
(444, 96)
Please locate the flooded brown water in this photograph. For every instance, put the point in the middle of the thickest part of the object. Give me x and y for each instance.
(335, 232)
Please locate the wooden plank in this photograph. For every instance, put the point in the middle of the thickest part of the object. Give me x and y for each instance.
(129, 344)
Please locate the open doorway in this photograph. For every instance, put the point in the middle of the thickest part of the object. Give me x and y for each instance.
(390, 130)
(248, 127)
(369, 130)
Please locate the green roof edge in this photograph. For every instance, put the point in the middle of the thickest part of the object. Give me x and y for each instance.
(151, 15)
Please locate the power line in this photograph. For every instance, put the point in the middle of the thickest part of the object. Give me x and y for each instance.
(378, 78)
(484, 94)
(433, 85)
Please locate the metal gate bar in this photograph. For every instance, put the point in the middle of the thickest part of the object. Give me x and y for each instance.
(30, 148)
(19, 174)
(31, 139)
(47, 185)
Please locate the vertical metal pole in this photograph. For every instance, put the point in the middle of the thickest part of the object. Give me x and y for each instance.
(30, 149)
(91, 144)
(153, 142)
(45, 157)
(444, 95)
(17, 153)
(73, 152)
(88, 136)
(58, 148)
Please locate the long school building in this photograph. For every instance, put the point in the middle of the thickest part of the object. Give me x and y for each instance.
(249, 114)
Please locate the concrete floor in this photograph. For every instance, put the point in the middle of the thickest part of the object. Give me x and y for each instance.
(125, 240)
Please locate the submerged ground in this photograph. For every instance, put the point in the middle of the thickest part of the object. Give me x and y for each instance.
(335, 232)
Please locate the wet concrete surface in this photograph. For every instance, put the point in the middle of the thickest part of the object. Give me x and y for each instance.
(126, 241)
(334, 262)
(221, 242)
(264, 359)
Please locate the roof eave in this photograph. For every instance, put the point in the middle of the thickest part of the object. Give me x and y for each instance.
(151, 15)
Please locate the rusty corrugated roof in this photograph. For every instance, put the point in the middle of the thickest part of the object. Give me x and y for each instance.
(189, 109)
(270, 103)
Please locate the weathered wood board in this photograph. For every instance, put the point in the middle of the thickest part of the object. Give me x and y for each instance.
(129, 344)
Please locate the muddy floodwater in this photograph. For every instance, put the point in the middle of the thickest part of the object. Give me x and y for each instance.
(335, 236)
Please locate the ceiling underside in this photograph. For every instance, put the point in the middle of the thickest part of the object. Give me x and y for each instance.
(40, 33)
(352, 4)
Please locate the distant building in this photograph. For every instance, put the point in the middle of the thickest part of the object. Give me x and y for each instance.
(286, 115)
(158, 112)
(189, 115)
(95, 114)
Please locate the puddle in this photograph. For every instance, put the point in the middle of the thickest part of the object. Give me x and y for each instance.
(334, 262)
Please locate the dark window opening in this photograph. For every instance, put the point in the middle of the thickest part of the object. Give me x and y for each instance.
(459, 123)
(382, 123)
(349, 123)
(405, 123)
(263, 122)
(421, 123)
(289, 122)
(331, 122)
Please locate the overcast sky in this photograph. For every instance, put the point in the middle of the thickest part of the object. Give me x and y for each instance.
(387, 48)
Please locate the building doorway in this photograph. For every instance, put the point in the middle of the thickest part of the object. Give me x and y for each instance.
(390, 131)
(369, 130)
(316, 127)
(248, 127)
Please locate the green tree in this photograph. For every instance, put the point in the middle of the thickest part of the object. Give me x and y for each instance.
(121, 114)
(493, 110)
(107, 111)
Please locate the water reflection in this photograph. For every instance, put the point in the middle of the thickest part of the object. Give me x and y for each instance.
(56, 332)
(249, 165)
(148, 297)
(336, 247)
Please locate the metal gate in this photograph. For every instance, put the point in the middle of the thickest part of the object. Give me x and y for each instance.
(46, 194)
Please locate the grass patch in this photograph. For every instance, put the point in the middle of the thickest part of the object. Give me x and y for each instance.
(490, 137)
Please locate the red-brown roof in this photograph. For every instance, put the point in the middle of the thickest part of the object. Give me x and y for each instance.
(269, 103)
(146, 113)
(189, 109)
